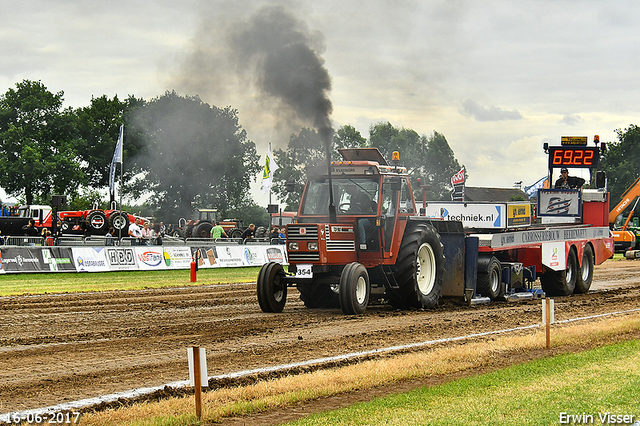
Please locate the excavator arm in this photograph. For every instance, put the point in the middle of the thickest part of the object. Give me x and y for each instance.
(627, 198)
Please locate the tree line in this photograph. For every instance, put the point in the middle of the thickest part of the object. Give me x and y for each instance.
(184, 154)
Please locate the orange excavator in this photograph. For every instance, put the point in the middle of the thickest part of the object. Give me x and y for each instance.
(624, 238)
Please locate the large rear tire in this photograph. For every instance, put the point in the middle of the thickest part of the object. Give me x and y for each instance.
(585, 277)
(355, 289)
(202, 230)
(235, 233)
(97, 222)
(120, 222)
(561, 283)
(490, 282)
(272, 291)
(418, 270)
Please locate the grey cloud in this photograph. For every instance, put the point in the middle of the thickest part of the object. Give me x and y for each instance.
(571, 120)
(473, 109)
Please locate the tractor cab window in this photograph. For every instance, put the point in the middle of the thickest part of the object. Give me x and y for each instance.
(351, 196)
(406, 198)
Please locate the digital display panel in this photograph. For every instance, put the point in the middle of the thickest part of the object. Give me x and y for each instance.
(573, 156)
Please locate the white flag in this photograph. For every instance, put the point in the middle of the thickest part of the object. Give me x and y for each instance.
(117, 158)
(270, 167)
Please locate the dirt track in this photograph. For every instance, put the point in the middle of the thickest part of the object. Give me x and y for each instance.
(60, 348)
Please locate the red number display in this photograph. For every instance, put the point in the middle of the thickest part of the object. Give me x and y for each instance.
(586, 157)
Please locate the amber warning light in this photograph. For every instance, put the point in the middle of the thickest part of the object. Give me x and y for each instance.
(395, 156)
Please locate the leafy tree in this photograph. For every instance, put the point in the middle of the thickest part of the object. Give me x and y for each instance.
(428, 158)
(191, 155)
(251, 213)
(304, 151)
(348, 137)
(621, 161)
(98, 127)
(38, 143)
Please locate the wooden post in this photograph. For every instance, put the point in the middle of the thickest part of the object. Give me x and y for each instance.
(197, 381)
(547, 321)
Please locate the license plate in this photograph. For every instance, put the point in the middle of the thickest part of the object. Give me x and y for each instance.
(304, 271)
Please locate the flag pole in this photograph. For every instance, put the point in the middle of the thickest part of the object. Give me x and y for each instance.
(121, 172)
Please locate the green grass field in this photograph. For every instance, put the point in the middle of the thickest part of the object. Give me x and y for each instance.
(598, 387)
(19, 284)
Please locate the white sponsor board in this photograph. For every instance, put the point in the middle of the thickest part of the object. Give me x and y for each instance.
(554, 256)
(121, 258)
(89, 259)
(472, 215)
(177, 257)
(150, 258)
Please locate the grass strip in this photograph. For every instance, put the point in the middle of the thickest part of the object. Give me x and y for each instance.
(509, 401)
(49, 283)
(596, 386)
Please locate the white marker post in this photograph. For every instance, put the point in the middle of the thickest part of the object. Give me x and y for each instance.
(548, 318)
(197, 357)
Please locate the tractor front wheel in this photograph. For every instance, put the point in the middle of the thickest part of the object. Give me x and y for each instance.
(272, 291)
(355, 289)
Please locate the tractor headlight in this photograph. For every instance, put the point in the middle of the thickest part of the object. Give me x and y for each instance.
(293, 245)
(313, 246)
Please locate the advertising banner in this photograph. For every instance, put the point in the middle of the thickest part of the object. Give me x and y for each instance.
(58, 259)
(121, 258)
(472, 215)
(559, 202)
(177, 257)
(89, 259)
(150, 258)
(21, 259)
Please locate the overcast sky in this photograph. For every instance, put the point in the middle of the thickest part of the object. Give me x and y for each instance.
(497, 78)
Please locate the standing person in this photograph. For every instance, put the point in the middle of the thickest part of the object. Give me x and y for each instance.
(282, 235)
(48, 238)
(146, 233)
(274, 234)
(136, 232)
(250, 232)
(217, 231)
(109, 237)
(568, 182)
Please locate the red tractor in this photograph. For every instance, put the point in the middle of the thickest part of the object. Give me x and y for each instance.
(95, 221)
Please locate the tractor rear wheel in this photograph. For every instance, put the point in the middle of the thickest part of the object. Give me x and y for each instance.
(120, 222)
(561, 283)
(272, 291)
(97, 222)
(355, 289)
(419, 269)
(202, 230)
(235, 233)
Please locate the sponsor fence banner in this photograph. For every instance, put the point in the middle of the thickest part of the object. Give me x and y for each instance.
(57, 259)
(21, 259)
(135, 258)
(89, 259)
(121, 258)
(177, 257)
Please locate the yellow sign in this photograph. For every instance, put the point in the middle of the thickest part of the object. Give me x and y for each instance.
(574, 140)
(518, 214)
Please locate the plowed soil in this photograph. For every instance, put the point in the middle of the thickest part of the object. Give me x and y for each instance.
(61, 348)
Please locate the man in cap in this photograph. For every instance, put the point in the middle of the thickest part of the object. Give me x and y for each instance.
(568, 182)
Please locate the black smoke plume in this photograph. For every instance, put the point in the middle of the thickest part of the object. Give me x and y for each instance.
(284, 56)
